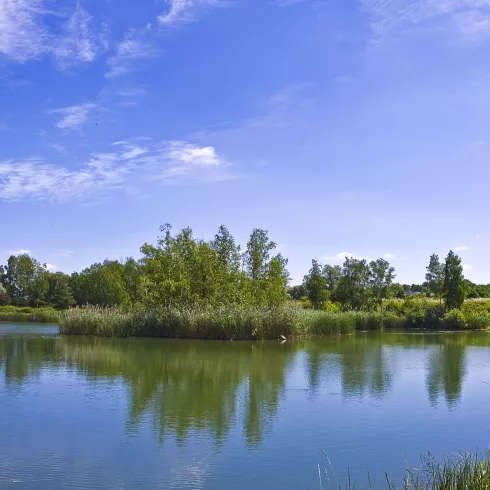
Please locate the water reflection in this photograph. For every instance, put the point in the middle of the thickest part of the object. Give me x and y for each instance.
(186, 387)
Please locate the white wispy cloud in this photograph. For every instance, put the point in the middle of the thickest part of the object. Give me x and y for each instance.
(63, 253)
(128, 54)
(389, 256)
(467, 267)
(128, 165)
(466, 18)
(461, 248)
(73, 117)
(51, 267)
(78, 41)
(180, 11)
(56, 146)
(287, 3)
(37, 179)
(129, 150)
(130, 97)
(23, 34)
(22, 251)
(27, 32)
(187, 153)
(341, 256)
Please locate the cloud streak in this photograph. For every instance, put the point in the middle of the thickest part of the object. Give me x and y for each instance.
(181, 11)
(128, 165)
(465, 18)
(73, 117)
(130, 52)
(27, 34)
(341, 256)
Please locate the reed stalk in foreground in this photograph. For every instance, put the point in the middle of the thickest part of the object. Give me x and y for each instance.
(462, 472)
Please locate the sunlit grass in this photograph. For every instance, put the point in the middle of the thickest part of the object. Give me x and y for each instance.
(27, 314)
(461, 472)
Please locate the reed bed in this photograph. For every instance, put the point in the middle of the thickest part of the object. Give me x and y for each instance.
(462, 472)
(245, 323)
(27, 314)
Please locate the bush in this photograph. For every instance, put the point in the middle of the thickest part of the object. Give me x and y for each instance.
(455, 320)
(478, 320)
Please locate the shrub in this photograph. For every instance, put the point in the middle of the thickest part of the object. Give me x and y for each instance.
(454, 319)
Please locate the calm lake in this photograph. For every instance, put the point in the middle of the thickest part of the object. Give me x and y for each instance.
(86, 413)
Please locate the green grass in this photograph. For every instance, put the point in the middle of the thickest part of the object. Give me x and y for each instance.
(249, 323)
(462, 472)
(28, 314)
(199, 323)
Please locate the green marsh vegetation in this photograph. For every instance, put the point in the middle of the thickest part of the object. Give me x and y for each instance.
(461, 472)
(188, 287)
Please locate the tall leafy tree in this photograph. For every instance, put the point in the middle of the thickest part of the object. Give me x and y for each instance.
(228, 272)
(25, 280)
(257, 255)
(277, 280)
(256, 260)
(297, 292)
(100, 284)
(381, 280)
(4, 296)
(58, 292)
(453, 289)
(435, 276)
(353, 288)
(332, 275)
(316, 286)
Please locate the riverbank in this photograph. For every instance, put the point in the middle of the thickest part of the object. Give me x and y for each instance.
(28, 314)
(463, 472)
(252, 323)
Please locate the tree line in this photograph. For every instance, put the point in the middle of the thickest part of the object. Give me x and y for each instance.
(361, 285)
(179, 270)
(182, 270)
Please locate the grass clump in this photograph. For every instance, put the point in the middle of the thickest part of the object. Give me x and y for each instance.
(256, 323)
(28, 314)
(239, 323)
(198, 323)
(462, 472)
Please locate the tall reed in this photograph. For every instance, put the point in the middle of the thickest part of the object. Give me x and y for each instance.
(27, 314)
(462, 472)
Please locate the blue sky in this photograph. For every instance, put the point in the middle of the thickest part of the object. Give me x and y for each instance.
(355, 126)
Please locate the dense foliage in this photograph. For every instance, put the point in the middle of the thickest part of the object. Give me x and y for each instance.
(182, 272)
(179, 271)
(365, 286)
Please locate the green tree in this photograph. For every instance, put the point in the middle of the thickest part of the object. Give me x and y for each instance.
(25, 280)
(435, 276)
(398, 291)
(276, 281)
(133, 279)
(297, 292)
(4, 296)
(353, 288)
(256, 261)
(228, 271)
(381, 280)
(100, 284)
(453, 289)
(257, 255)
(332, 275)
(58, 292)
(316, 286)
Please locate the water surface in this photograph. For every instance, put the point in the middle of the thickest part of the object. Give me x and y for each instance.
(88, 413)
